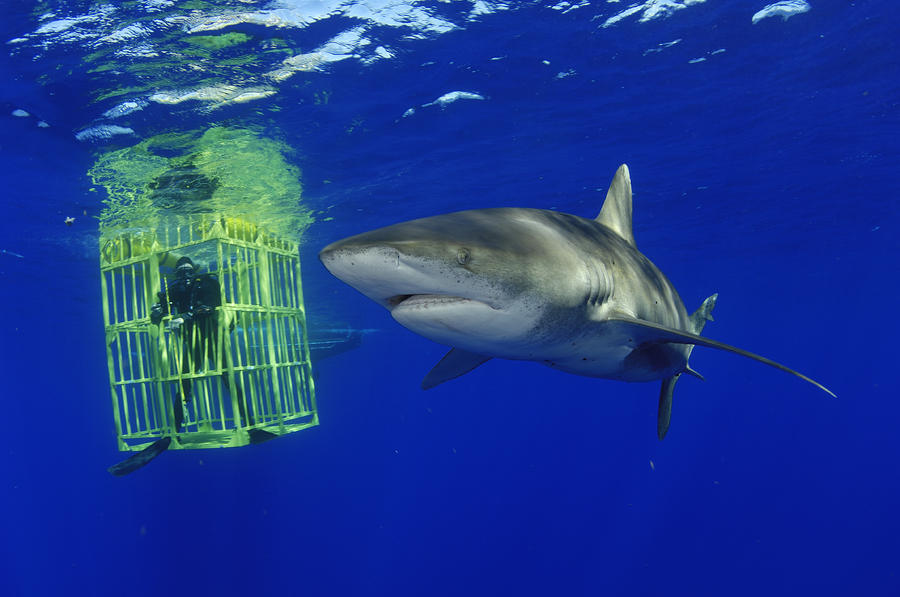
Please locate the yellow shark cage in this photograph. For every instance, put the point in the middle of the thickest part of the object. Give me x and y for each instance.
(251, 380)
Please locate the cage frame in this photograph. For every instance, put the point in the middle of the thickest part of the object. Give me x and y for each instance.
(247, 298)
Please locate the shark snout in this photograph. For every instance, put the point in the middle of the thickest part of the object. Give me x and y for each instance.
(340, 257)
(376, 271)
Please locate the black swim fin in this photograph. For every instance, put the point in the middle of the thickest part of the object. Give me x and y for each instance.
(258, 436)
(136, 461)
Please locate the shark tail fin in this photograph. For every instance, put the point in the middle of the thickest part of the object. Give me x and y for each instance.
(703, 314)
(698, 322)
(664, 414)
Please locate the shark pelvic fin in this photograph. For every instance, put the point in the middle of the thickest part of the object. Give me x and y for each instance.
(664, 414)
(644, 332)
(616, 211)
(455, 363)
(693, 373)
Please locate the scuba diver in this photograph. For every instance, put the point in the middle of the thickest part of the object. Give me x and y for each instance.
(191, 299)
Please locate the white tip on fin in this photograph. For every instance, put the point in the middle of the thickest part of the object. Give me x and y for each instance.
(616, 211)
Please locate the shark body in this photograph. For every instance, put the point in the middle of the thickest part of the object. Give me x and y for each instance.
(538, 285)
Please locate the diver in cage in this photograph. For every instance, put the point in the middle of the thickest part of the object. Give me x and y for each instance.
(192, 299)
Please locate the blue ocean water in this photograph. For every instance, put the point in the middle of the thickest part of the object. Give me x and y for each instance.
(763, 152)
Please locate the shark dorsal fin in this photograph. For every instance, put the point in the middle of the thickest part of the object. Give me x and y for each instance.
(616, 211)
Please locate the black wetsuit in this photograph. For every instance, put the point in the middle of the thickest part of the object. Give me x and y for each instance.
(194, 299)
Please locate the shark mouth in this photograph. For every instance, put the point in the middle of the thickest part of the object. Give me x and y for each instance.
(425, 301)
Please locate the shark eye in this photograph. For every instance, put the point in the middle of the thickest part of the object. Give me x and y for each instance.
(463, 256)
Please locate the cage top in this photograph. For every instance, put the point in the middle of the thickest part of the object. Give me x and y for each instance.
(129, 245)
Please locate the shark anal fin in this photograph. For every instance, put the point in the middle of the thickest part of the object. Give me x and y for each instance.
(648, 332)
(664, 414)
(455, 363)
(138, 460)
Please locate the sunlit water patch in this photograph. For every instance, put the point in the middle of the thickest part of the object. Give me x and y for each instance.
(221, 170)
(204, 56)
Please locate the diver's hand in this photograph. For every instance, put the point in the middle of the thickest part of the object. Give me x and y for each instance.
(156, 313)
(174, 324)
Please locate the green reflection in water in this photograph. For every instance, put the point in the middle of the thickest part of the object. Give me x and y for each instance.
(222, 171)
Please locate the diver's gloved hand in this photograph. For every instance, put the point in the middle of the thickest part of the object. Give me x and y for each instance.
(174, 324)
(156, 314)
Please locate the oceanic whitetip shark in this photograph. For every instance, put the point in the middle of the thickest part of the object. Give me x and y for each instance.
(534, 285)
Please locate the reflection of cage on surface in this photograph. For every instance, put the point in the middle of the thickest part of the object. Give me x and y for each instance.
(249, 369)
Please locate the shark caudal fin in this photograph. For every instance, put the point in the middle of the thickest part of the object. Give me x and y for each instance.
(664, 414)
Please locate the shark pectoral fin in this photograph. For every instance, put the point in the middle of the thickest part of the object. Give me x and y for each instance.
(136, 461)
(664, 415)
(641, 331)
(455, 363)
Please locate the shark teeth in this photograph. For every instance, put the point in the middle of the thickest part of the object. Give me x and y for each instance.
(393, 301)
(423, 301)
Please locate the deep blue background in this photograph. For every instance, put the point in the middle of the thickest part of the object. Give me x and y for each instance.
(767, 173)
